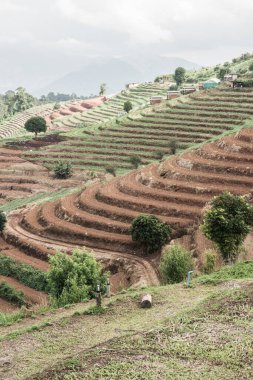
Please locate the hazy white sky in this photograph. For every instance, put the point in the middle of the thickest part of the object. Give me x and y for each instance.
(50, 37)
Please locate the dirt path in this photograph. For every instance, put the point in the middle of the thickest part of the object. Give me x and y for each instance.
(30, 353)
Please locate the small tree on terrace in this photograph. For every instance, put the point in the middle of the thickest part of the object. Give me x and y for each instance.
(36, 125)
(62, 170)
(73, 278)
(150, 231)
(135, 161)
(179, 75)
(128, 106)
(251, 67)
(173, 146)
(227, 223)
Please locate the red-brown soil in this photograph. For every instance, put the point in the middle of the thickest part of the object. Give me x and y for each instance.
(176, 191)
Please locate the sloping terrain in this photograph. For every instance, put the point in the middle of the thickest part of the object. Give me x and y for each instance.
(99, 217)
(190, 121)
(113, 107)
(15, 125)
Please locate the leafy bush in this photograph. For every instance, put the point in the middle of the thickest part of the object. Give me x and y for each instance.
(127, 106)
(173, 146)
(175, 263)
(3, 221)
(57, 106)
(111, 170)
(210, 258)
(227, 224)
(29, 276)
(10, 294)
(135, 161)
(150, 231)
(74, 278)
(251, 67)
(63, 170)
(36, 124)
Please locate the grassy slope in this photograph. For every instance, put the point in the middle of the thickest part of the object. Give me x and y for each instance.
(204, 332)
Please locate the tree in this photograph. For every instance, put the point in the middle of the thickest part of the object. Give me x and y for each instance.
(227, 223)
(74, 278)
(128, 106)
(3, 221)
(135, 161)
(102, 89)
(62, 170)
(150, 231)
(36, 125)
(179, 75)
(222, 72)
(175, 263)
(251, 67)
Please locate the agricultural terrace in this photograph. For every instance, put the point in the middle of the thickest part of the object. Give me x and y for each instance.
(189, 121)
(14, 126)
(99, 217)
(113, 107)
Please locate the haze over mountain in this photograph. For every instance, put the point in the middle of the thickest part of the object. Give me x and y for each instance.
(115, 72)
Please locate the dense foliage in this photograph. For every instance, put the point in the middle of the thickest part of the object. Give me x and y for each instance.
(36, 124)
(128, 106)
(111, 170)
(173, 146)
(150, 231)
(15, 101)
(2, 221)
(227, 224)
(74, 278)
(26, 274)
(62, 170)
(179, 75)
(12, 295)
(175, 263)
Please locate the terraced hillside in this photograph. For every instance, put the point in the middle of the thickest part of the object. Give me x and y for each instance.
(113, 107)
(99, 217)
(15, 125)
(192, 121)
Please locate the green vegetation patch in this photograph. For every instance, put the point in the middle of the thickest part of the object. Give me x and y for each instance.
(26, 274)
(10, 294)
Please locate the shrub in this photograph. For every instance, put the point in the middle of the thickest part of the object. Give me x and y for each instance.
(36, 125)
(74, 278)
(251, 67)
(179, 75)
(159, 154)
(57, 106)
(175, 263)
(63, 170)
(173, 87)
(29, 276)
(173, 146)
(150, 231)
(210, 259)
(227, 224)
(135, 161)
(3, 221)
(10, 294)
(111, 170)
(127, 106)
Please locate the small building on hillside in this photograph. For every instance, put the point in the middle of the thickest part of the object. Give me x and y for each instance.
(173, 94)
(211, 83)
(230, 77)
(131, 85)
(156, 99)
(187, 90)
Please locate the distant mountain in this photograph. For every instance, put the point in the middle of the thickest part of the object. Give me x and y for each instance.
(115, 72)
